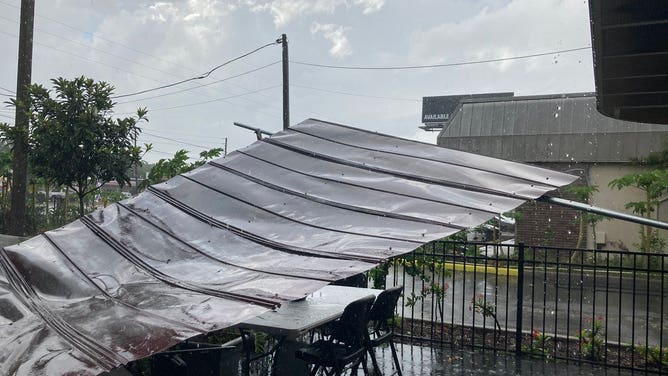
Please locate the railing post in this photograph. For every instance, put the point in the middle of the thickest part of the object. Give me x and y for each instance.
(520, 299)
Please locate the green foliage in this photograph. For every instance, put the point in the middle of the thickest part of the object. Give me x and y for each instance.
(5, 159)
(582, 193)
(655, 185)
(423, 269)
(487, 308)
(539, 345)
(73, 139)
(657, 159)
(167, 168)
(655, 355)
(379, 274)
(653, 182)
(592, 339)
(109, 197)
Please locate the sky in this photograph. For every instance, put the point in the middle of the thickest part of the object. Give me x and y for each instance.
(139, 44)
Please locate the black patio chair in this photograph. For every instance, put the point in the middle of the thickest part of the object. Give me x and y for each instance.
(381, 317)
(346, 344)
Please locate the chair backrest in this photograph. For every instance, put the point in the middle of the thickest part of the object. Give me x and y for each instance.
(352, 325)
(383, 308)
(357, 280)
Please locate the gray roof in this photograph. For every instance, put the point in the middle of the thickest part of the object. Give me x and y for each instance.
(228, 241)
(555, 128)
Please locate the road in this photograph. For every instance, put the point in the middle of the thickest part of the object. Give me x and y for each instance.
(633, 313)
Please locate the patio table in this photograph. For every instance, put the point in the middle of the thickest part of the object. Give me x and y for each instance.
(295, 318)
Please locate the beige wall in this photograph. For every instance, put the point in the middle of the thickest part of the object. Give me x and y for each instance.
(619, 234)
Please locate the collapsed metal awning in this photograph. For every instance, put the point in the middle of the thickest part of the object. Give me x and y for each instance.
(269, 223)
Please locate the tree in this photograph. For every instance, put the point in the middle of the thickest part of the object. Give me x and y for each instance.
(168, 168)
(73, 139)
(655, 184)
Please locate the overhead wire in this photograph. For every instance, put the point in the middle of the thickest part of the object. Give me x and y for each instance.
(148, 78)
(200, 77)
(92, 47)
(355, 94)
(179, 145)
(84, 58)
(209, 101)
(406, 67)
(204, 85)
(189, 135)
(7, 90)
(126, 59)
(176, 140)
(96, 35)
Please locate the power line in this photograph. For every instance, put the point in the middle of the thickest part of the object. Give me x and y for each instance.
(404, 67)
(93, 48)
(105, 64)
(98, 36)
(93, 35)
(153, 141)
(84, 58)
(191, 135)
(7, 90)
(355, 94)
(202, 76)
(203, 85)
(209, 101)
(177, 141)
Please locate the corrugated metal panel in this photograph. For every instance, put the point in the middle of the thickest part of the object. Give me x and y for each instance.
(477, 111)
(547, 116)
(207, 249)
(509, 119)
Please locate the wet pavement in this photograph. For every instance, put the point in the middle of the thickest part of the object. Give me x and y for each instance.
(419, 360)
(423, 360)
(555, 302)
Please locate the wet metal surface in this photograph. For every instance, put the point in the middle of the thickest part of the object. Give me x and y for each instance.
(207, 249)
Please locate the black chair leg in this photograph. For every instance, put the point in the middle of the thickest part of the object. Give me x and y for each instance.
(396, 359)
(364, 369)
(374, 362)
(361, 360)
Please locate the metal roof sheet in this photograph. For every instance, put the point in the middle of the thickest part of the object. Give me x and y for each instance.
(557, 128)
(207, 249)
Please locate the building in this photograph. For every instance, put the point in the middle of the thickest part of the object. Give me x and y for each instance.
(566, 133)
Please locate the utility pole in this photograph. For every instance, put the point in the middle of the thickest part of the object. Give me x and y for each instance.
(18, 223)
(286, 83)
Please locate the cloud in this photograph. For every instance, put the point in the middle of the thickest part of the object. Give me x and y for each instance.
(336, 35)
(521, 27)
(284, 11)
(370, 6)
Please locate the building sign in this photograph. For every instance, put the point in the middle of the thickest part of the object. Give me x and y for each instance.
(440, 109)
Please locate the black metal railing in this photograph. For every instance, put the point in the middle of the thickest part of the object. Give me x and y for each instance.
(591, 306)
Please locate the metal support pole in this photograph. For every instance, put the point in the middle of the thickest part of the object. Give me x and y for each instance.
(520, 299)
(602, 211)
(286, 83)
(258, 132)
